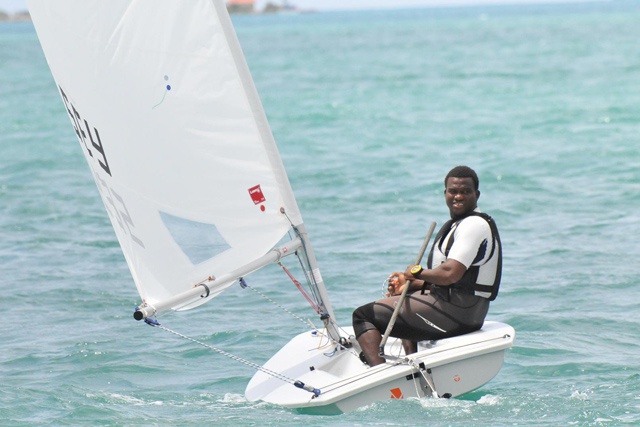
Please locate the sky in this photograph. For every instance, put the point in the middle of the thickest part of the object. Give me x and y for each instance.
(12, 6)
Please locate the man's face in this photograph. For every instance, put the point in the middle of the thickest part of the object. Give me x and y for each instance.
(461, 196)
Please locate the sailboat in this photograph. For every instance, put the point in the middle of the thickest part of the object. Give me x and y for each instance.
(167, 115)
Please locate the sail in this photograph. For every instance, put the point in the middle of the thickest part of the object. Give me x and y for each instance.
(171, 125)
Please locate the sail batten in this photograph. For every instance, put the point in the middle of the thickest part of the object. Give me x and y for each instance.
(162, 103)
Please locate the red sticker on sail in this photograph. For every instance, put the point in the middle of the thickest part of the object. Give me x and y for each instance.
(256, 194)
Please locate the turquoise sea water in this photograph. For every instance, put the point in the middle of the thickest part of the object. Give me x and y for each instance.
(370, 110)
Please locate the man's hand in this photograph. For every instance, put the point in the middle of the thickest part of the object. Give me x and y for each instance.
(397, 282)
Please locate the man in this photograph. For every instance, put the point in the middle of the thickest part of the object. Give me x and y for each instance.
(451, 295)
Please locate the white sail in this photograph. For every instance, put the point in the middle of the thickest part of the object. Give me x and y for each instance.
(172, 127)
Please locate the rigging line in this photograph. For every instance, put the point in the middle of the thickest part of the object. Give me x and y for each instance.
(255, 366)
(299, 286)
(310, 273)
(306, 270)
(307, 322)
(306, 266)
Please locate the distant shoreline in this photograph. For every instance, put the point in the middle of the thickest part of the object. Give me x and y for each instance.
(22, 16)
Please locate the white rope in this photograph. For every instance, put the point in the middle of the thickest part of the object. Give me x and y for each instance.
(226, 354)
(299, 384)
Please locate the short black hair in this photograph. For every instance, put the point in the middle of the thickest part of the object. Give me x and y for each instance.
(463, 172)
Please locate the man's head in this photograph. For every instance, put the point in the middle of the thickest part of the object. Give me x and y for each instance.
(461, 191)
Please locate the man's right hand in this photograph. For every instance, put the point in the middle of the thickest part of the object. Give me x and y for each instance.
(397, 282)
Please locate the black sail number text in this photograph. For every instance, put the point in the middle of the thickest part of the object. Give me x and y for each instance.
(84, 133)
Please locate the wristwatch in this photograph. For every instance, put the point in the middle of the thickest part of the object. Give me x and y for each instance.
(416, 269)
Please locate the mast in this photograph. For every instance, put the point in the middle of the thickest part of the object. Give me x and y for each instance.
(318, 285)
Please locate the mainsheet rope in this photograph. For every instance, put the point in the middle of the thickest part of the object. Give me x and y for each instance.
(255, 366)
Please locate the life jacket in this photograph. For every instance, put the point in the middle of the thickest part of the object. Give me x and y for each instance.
(468, 284)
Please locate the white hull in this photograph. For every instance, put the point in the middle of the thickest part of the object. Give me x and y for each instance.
(453, 366)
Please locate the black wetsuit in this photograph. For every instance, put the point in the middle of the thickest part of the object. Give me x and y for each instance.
(444, 311)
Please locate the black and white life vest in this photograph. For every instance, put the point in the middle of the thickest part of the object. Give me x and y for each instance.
(468, 284)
